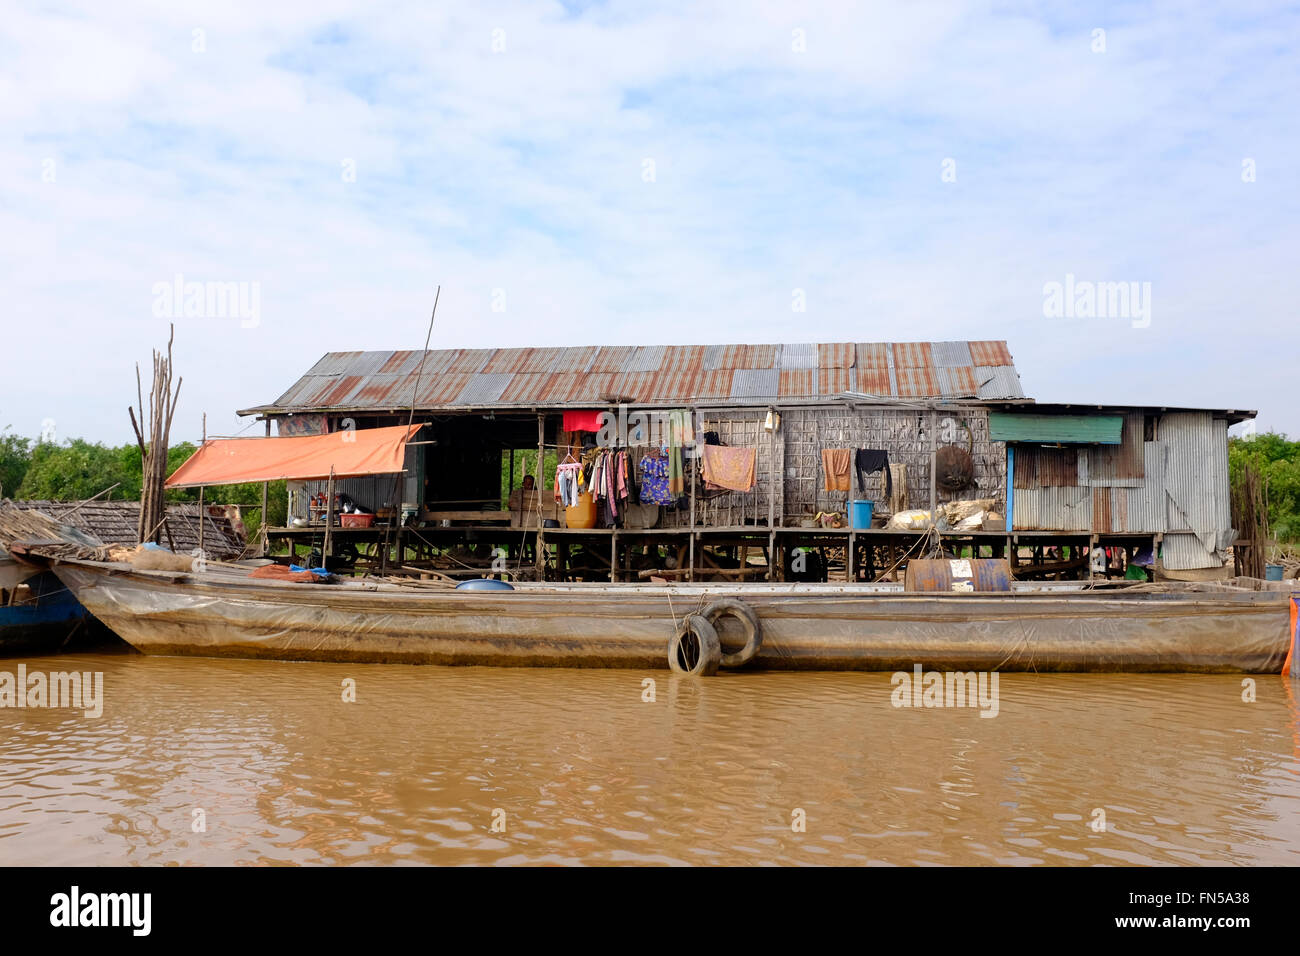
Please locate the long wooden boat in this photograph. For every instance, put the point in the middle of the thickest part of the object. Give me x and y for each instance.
(39, 615)
(223, 613)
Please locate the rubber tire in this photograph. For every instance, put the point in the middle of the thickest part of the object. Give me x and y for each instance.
(748, 618)
(706, 638)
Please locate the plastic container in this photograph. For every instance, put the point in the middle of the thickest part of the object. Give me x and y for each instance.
(484, 584)
(583, 514)
(1272, 572)
(356, 520)
(861, 513)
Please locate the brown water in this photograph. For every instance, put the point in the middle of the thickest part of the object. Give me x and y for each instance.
(587, 772)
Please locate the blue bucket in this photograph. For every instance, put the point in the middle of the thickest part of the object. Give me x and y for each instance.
(861, 511)
(1272, 572)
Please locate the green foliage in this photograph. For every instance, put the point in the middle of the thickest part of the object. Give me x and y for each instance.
(15, 454)
(1277, 460)
(526, 464)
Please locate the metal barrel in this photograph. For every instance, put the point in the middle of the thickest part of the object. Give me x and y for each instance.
(960, 574)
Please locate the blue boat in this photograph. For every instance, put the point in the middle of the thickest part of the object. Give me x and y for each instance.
(41, 616)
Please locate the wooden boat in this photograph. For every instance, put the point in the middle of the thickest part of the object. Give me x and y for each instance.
(39, 615)
(221, 612)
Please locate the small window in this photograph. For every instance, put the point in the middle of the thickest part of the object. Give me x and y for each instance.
(1149, 428)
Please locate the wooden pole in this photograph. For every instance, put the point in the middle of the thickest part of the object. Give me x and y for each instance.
(538, 562)
(329, 519)
(201, 521)
(264, 545)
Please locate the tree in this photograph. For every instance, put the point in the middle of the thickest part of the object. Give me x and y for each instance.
(15, 455)
(1277, 459)
(76, 470)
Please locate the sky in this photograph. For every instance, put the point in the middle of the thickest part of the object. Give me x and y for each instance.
(576, 174)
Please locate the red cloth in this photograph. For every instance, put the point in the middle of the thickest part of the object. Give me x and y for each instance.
(278, 572)
(582, 421)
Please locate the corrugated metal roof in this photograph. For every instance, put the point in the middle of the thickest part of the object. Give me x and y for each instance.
(873, 355)
(755, 383)
(912, 355)
(836, 355)
(799, 357)
(677, 374)
(1038, 467)
(484, 388)
(799, 383)
(995, 381)
(951, 354)
(990, 353)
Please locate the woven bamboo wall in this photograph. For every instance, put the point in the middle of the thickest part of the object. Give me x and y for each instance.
(904, 433)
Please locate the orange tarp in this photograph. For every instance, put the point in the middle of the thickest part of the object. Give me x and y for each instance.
(229, 461)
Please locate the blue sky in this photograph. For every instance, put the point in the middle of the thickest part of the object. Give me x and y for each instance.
(505, 147)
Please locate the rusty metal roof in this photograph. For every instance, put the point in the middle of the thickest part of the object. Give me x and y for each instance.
(659, 374)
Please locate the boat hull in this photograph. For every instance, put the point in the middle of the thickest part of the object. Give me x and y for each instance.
(803, 628)
(51, 620)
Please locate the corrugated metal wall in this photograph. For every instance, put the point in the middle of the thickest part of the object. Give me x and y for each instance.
(1180, 488)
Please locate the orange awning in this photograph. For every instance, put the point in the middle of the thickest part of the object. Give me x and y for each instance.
(229, 461)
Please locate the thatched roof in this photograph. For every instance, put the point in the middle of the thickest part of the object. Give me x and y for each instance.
(114, 523)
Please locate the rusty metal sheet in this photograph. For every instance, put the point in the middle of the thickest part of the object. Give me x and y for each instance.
(872, 381)
(613, 358)
(836, 355)
(872, 355)
(588, 389)
(916, 382)
(763, 356)
(647, 358)
(335, 390)
(509, 360)
(441, 388)
(1039, 467)
(1122, 465)
(798, 383)
(384, 391)
(634, 387)
(951, 354)
(527, 388)
(469, 360)
(335, 363)
(912, 355)
(400, 363)
(714, 384)
(675, 384)
(956, 382)
(832, 381)
(798, 356)
(575, 359)
(989, 353)
(1109, 514)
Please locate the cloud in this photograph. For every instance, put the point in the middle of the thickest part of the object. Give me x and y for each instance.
(505, 147)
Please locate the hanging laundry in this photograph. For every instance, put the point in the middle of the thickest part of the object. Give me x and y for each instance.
(869, 460)
(654, 481)
(729, 468)
(837, 464)
(582, 421)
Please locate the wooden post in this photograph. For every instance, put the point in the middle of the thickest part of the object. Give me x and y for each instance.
(329, 519)
(934, 468)
(772, 477)
(539, 541)
(613, 555)
(201, 521)
(265, 542)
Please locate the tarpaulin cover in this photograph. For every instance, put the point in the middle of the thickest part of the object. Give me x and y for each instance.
(584, 421)
(229, 461)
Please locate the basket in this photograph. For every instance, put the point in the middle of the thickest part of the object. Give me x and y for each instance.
(356, 520)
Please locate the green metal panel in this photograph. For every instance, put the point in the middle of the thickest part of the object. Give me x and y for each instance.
(1072, 429)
